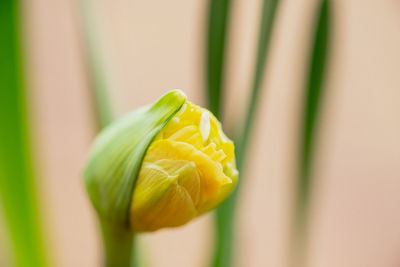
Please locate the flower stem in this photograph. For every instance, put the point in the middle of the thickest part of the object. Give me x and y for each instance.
(118, 245)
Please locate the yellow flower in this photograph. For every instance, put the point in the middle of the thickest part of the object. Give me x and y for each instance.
(160, 166)
(188, 170)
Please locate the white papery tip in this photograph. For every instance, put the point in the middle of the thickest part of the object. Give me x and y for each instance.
(205, 126)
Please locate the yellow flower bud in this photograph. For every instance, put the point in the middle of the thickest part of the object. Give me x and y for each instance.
(188, 170)
(160, 166)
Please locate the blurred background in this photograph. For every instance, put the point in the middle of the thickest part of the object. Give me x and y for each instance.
(154, 46)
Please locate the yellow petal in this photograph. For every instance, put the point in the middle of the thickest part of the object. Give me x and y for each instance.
(165, 195)
(211, 172)
(189, 134)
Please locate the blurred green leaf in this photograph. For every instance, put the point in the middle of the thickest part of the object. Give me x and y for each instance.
(267, 21)
(225, 213)
(218, 19)
(313, 99)
(311, 113)
(17, 185)
(98, 76)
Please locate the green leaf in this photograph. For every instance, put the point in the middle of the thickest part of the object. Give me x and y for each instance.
(17, 184)
(98, 76)
(225, 213)
(311, 113)
(218, 18)
(267, 22)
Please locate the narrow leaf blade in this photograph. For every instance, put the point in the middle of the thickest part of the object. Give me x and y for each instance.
(311, 113)
(223, 255)
(98, 75)
(218, 19)
(17, 184)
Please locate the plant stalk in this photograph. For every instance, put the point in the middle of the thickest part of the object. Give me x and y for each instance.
(118, 245)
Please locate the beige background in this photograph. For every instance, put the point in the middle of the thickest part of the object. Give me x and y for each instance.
(153, 46)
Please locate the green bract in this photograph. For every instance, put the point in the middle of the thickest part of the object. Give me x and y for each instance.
(117, 154)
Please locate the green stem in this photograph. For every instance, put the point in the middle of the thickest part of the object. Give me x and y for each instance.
(224, 247)
(118, 245)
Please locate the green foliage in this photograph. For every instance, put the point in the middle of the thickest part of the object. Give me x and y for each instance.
(267, 21)
(311, 113)
(218, 18)
(225, 213)
(98, 78)
(17, 185)
(313, 97)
